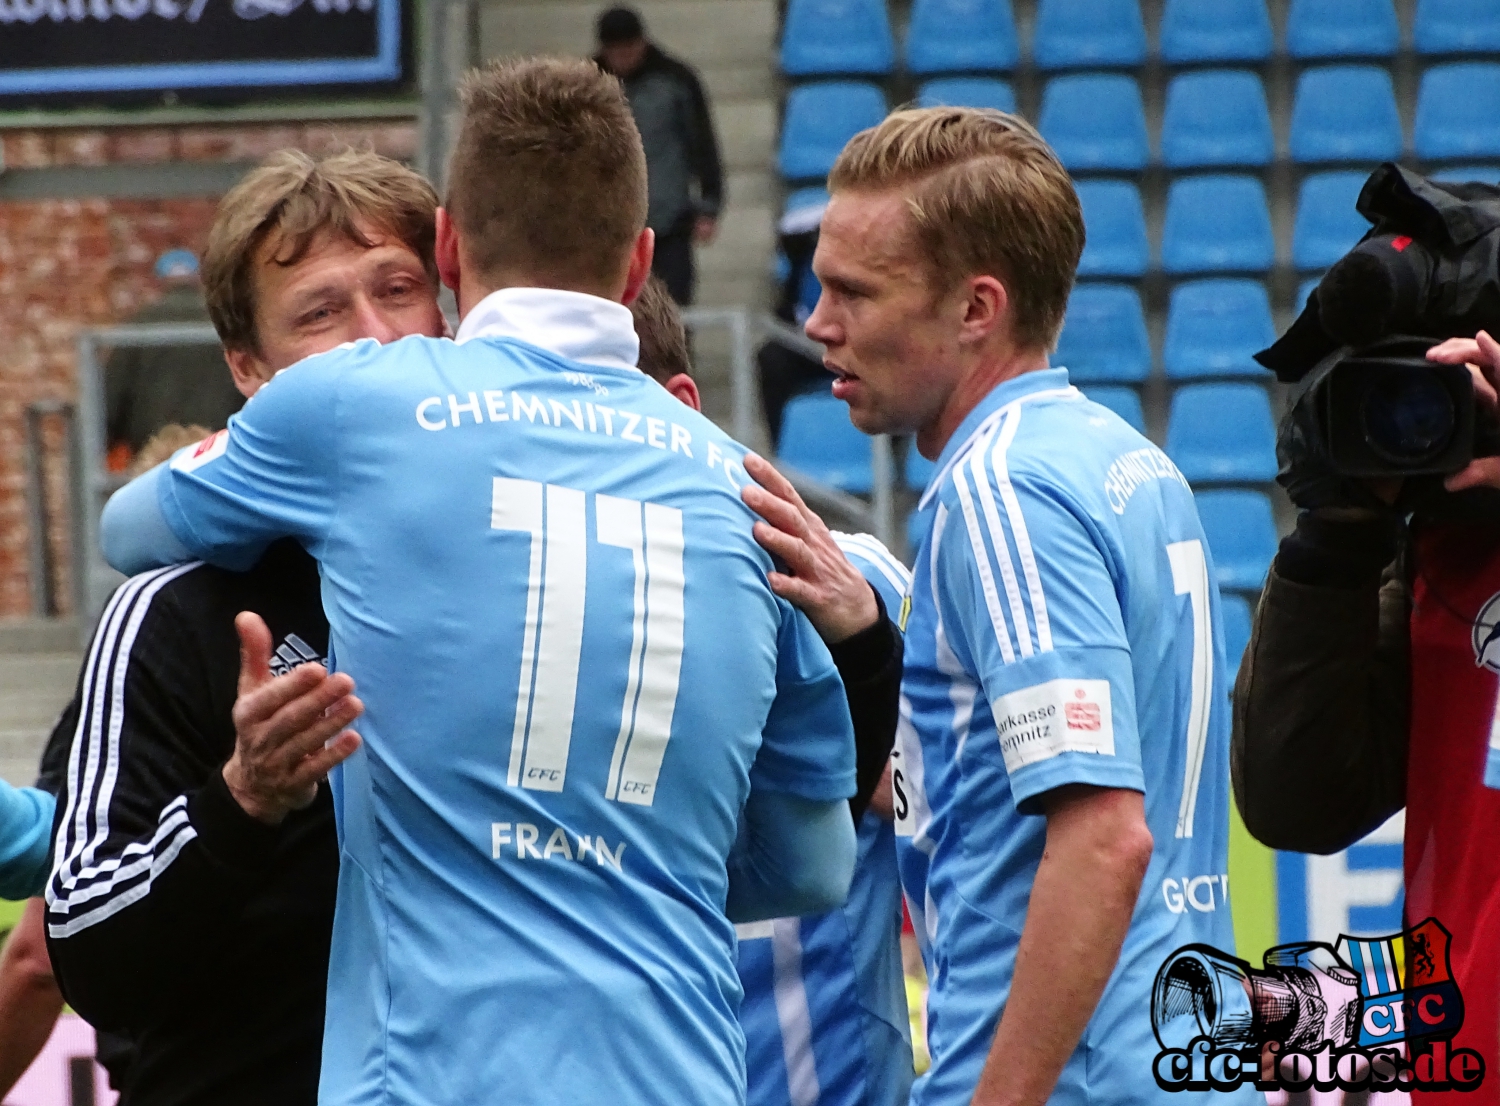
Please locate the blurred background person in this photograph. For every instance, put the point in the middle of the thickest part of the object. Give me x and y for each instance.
(147, 387)
(685, 178)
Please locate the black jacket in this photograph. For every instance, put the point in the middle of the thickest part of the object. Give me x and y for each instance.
(677, 131)
(173, 916)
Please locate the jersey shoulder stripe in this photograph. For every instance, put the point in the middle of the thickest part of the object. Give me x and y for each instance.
(872, 557)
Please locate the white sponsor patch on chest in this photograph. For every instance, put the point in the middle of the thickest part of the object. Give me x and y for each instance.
(1060, 716)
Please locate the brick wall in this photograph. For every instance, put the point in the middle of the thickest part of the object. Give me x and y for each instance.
(88, 262)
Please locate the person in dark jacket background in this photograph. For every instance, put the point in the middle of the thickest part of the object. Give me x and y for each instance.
(685, 179)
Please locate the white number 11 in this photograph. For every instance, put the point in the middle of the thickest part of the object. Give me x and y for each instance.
(552, 646)
(1190, 578)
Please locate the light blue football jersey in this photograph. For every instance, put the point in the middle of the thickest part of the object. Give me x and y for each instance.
(824, 1011)
(1063, 628)
(539, 572)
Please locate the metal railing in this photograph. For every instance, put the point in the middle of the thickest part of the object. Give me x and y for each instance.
(42, 562)
(93, 483)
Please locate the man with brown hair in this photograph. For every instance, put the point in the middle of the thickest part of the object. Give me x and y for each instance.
(1062, 798)
(594, 737)
(186, 910)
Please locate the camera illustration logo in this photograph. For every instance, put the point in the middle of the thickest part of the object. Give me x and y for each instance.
(1363, 1014)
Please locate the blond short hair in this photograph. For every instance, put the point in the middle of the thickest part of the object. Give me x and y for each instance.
(987, 196)
(548, 176)
(165, 442)
(658, 324)
(296, 198)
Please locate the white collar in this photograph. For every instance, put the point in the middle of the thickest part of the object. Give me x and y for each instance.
(573, 325)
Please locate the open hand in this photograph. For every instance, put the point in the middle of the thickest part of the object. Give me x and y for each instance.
(290, 730)
(823, 584)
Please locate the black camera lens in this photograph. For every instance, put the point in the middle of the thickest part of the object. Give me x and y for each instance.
(1407, 415)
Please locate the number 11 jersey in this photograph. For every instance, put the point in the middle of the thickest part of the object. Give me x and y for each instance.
(538, 569)
(1063, 629)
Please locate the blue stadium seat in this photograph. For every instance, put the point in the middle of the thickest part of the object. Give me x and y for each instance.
(1088, 34)
(1304, 290)
(1234, 614)
(1222, 434)
(1484, 174)
(1342, 29)
(967, 92)
(917, 469)
(1214, 326)
(1104, 335)
(1125, 402)
(1327, 225)
(1216, 117)
(1115, 223)
(820, 119)
(818, 439)
(823, 37)
(1097, 122)
(1217, 224)
(1215, 31)
(1457, 27)
(1346, 113)
(1458, 111)
(1241, 534)
(953, 36)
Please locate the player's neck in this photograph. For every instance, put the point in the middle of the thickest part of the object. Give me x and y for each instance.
(985, 375)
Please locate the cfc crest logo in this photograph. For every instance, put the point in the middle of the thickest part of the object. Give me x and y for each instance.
(1487, 635)
(1364, 1014)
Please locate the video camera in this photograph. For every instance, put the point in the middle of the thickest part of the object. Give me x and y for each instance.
(1372, 405)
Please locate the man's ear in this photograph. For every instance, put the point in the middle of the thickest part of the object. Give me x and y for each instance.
(986, 308)
(639, 270)
(446, 250)
(685, 390)
(248, 370)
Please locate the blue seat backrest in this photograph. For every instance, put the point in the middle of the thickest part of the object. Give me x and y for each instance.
(1125, 402)
(1088, 34)
(967, 92)
(1222, 433)
(1217, 223)
(1215, 31)
(1215, 326)
(827, 37)
(1458, 111)
(1457, 27)
(1216, 117)
(1241, 532)
(1342, 29)
(952, 36)
(1346, 113)
(818, 439)
(1104, 335)
(1115, 223)
(1096, 122)
(1327, 225)
(820, 119)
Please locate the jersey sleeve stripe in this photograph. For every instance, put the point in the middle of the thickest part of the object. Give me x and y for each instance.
(1019, 531)
(93, 769)
(996, 531)
(982, 561)
(875, 554)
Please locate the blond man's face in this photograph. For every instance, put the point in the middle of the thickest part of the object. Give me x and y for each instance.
(340, 291)
(891, 340)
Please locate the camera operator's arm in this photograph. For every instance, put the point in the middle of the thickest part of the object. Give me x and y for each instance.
(1482, 354)
(1322, 702)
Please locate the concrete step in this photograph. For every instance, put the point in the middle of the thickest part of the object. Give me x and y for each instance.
(747, 134)
(34, 688)
(38, 635)
(752, 188)
(741, 82)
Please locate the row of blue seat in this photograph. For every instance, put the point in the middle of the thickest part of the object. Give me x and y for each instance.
(1097, 122)
(824, 37)
(1214, 327)
(1216, 434)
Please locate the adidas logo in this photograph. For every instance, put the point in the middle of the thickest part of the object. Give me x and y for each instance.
(290, 653)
